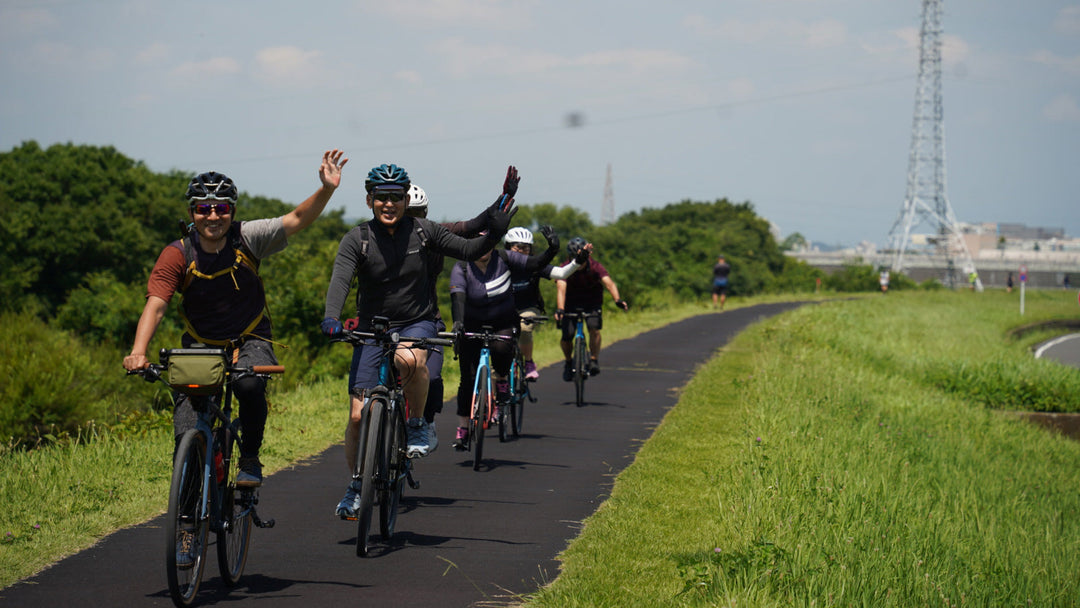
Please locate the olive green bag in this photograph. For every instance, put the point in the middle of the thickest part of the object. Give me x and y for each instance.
(197, 371)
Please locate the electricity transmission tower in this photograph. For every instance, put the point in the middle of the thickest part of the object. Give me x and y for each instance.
(925, 202)
(607, 211)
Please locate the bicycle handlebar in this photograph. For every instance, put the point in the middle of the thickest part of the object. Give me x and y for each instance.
(358, 338)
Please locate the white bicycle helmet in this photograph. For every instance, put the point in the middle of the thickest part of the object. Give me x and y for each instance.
(518, 235)
(417, 197)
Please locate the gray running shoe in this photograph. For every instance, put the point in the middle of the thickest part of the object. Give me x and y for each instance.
(346, 509)
(433, 437)
(250, 475)
(417, 437)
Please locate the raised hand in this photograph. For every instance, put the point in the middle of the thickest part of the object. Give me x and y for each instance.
(510, 185)
(330, 170)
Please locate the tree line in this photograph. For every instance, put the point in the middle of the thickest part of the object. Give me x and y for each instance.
(81, 226)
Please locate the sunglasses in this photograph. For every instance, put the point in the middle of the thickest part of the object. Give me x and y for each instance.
(206, 208)
(390, 196)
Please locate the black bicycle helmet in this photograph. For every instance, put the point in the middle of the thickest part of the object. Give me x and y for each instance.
(211, 185)
(575, 245)
(387, 175)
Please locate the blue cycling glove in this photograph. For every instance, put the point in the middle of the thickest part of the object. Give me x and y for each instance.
(331, 327)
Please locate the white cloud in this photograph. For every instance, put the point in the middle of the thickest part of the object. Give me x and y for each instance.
(1070, 65)
(26, 22)
(288, 65)
(954, 50)
(465, 58)
(218, 66)
(411, 77)
(155, 53)
(1068, 21)
(1062, 108)
(819, 34)
(443, 13)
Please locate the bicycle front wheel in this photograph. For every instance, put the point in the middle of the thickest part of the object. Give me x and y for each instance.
(396, 469)
(235, 535)
(185, 524)
(481, 413)
(581, 359)
(369, 473)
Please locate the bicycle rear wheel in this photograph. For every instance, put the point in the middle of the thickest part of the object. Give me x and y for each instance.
(368, 476)
(235, 535)
(581, 359)
(481, 413)
(519, 393)
(185, 527)
(396, 470)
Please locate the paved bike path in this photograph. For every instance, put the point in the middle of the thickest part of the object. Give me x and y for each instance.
(465, 538)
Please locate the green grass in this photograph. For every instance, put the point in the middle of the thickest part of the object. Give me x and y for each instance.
(820, 461)
(869, 474)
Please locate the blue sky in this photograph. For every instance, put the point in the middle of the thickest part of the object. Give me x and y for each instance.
(802, 107)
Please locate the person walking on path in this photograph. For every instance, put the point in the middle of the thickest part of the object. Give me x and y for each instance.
(215, 269)
(720, 272)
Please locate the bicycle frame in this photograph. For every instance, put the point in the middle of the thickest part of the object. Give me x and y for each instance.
(216, 431)
(382, 463)
(483, 395)
(580, 353)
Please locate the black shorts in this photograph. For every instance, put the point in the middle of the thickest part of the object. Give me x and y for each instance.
(719, 287)
(569, 326)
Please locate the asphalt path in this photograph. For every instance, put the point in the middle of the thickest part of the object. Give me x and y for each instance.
(1063, 349)
(464, 538)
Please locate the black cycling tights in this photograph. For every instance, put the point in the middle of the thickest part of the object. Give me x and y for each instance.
(251, 393)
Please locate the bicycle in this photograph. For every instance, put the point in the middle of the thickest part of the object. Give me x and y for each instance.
(481, 414)
(203, 494)
(382, 463)
(512, 416)
(580, 352)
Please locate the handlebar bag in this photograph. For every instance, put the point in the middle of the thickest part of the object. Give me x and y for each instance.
(197, 371)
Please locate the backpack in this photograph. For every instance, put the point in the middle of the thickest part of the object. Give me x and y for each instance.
(244, 257)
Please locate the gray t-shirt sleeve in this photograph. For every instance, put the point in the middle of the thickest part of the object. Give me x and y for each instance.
(264, 237)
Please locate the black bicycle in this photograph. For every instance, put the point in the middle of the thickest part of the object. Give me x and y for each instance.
(382, 463)
(203, 495)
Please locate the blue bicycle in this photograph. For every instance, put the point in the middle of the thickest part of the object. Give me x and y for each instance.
(580, 352)
(382, 463)
(203, 495)
(482, 412)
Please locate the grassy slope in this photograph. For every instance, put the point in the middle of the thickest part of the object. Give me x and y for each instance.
(819, 462)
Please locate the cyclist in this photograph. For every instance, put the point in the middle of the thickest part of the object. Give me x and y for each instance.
(215, 269)
(480, 295)
(526, 287)
(584, 291)
(418, 207)
(388, 255)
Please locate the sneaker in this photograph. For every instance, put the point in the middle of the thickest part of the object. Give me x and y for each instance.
(346, 509)
(495, 414)
(433, 437)
(568, 371)
(417, 437)
(185, 549)
(250, 475)
(530, 371)
(594, 367)
(461, 442)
